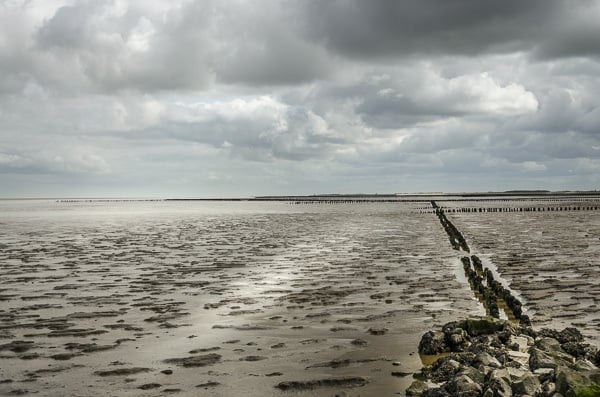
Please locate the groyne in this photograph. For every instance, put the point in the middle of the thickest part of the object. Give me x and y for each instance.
(494, 357)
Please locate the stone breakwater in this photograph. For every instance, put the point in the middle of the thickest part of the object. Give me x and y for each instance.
(490, 357)
(487, 357)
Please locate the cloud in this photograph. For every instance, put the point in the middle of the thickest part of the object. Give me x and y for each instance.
(386, 28)
(258, 129)
(423, 94)
(266, 97)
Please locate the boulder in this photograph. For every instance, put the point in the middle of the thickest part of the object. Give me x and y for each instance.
(572, 383)
(486, 360)
(518, 343)
(416, 388)
(433, 342)
(526, 385)
(481, 326)
(499, 383)
(518, 357)
(569, 334)
(475, 375)
(436, 392)
(443, 369)
(464, 386)
(540, 359)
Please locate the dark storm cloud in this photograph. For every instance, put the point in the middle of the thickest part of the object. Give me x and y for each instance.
(389, 28)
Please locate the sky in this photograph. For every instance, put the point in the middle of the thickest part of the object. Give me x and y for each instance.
(234, 98)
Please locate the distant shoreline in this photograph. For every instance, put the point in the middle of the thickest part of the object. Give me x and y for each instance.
(356, 197)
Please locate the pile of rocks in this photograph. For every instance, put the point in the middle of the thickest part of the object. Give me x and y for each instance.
(487, 357)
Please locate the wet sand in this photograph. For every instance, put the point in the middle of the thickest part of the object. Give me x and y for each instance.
(239, 299)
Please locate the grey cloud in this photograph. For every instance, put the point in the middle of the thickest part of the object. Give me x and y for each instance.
(185, 48)
(128, 49)
(258, 130)
(262, 48)
(388, 28)
(385, 28)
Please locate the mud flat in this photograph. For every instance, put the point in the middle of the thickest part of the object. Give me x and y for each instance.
(221, 299)
(552, 259)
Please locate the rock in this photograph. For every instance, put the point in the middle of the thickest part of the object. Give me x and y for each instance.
(570, 335)
(481, 326)
(499, 383)
(518, 343)
(527, 385)
(432, 343)
(378, 331)
(583, 365)
(488, 393)
(548, 344)
(443, 369)
(464, 386)
(475, 375)
(518, 357)
(456, 340)
(540, 359)
(494, 358)
(552, 348)
(516, 373)
(436, 392)
(544, 374)
(571, 383)
(485, 359)
(548, 389)
(580, 350)
(416, 388)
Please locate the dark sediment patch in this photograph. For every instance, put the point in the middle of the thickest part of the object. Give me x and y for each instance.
(253, 358)
(18, 346)
(344, 363)
(122, 371)
(204, 350)
(350, 381)
(208, 385)
(195, 361)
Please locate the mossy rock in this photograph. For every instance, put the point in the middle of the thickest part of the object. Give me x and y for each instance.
(578, 384)
(585, 391)
(481, 326)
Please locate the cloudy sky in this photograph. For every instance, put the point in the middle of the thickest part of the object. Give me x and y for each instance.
(185, 98)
